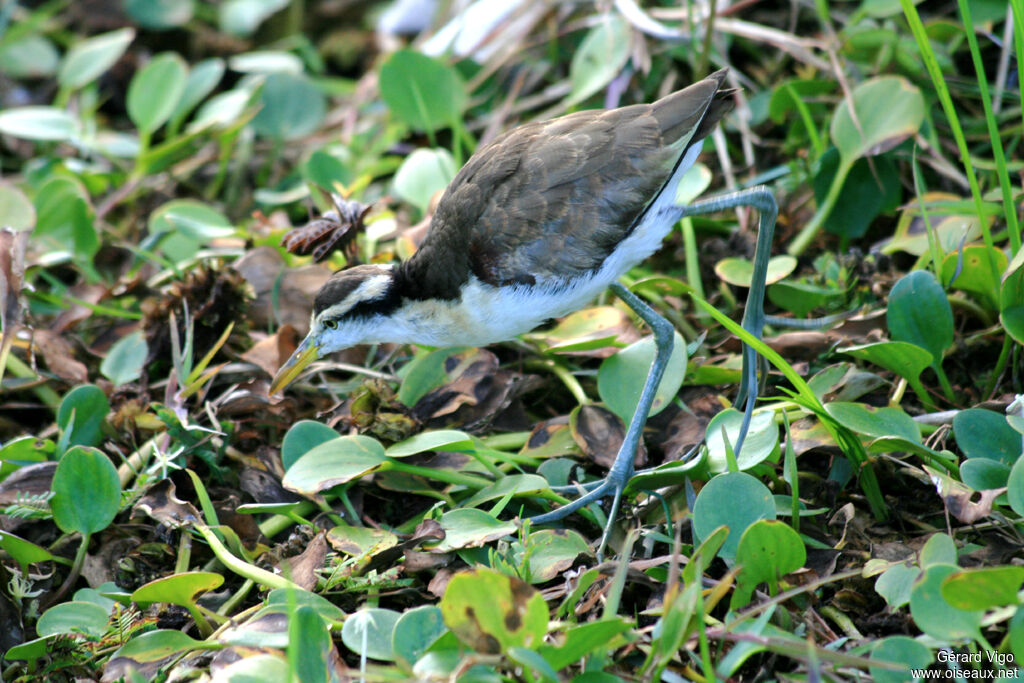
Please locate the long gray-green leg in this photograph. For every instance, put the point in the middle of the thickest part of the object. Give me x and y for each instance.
(622, 469)
(763, 200)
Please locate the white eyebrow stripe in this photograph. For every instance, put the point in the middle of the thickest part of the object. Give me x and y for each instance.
(371, 288)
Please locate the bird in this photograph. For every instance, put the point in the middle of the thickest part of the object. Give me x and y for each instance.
(536, 225)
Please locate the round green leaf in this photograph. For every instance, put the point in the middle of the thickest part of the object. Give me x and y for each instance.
(370, 632)
(902, 650)
(335, 462)
(420, 91)
(491, 612)
(919, 313)
(415, 631)
(178, 589)
(243, 17)
(31, 56)
(936, 617)
(983, 588)
(896, 583)
(64, 220)
(302, 437)
(1011, 298)
(125, 359)
(82, 411)
(550, 552)
(762, 440)
(868, 190)
(86, 491)
(90, 58)
(621, 378)
(514, 484)
(156, 90)
(156, 645)
(291, 107)
(440, 440)
(74, 617)
(423, 173)
(16, 211)
(735, 500)
(767, 551)
(740, 271)
(38, 123)
(981, 270)
(202, 79)
(470, 528)
(986, 434)
(889, 110)
(874, 422)
(1015, 487)
(24, 552)
(185, 225)
(938, 549)
(984, 473)
(905, 359)
(159, 14)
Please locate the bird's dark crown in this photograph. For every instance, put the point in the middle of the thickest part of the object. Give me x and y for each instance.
(360, 291)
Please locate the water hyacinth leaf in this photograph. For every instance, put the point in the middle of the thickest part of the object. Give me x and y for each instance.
(422, 174)
(986, 434)
(919, 313)
(39, 123)
(69, 618)
(421, 91)
(415, 631)
(761, 443)
(370, 632)
(983, 587)
(621, 378)
(980, 272)
(83, 411)
(599, 58)
(90, 58)
(290, 107)
(156, 90)
(16, 211)
(1011, 298)
(302, 437)
(159, 15)
(734, 500)
(740, 271)
(86, 491)
(889, 109)
(243, 17)
(125, 359)
(335, 462)
(874, 422)
(936, 617)
(491, 612)
(31, 56)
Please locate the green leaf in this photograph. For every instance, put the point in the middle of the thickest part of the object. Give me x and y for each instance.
(415, 631)
(86, 491)
(88, 406)
(302, 437)
(64, 222)
(868, 190)
(243, 17)
(621, 378)
(125, 359)
(31, 56)
(905, 359)
(291, 107)
(977, 276)
(599, 58)
(767, 551)
(491, 612)
(335, 462)
(156, 90)
(800, 298)
(896, 583)
(1011, 298)
(734, 500)
(202, 79)
(901, 650)
(888, 110)
(39, 123)
(426, 372)
(422, 92)
(919, 313)
(370, 632)
(874, 422)
(938, 549)
(16, 211)
(984, 473)
(178, 589)
(23, 552)
(986, 434)
(156, 645)
(470, 528)
(422, 174)
(761, 443)
(159, 15)
(983, 588)
(183, 226)
(576, 642)
(69, 618)
(936, 617)
(90, 58)
(740, 271)
(309, 645)
(549, 552)
(1015, 487)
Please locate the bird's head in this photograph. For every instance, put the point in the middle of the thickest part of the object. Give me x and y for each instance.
(348, 310)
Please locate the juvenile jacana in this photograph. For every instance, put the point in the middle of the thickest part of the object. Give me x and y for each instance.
(536, 225)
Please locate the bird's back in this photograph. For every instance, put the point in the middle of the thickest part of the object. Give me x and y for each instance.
(551, 200)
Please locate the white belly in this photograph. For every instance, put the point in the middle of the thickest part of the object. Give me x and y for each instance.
(486, 314)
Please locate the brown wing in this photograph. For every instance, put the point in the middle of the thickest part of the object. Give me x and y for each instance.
(553, 198)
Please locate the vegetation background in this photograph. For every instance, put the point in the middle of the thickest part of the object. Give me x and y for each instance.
(165, 519)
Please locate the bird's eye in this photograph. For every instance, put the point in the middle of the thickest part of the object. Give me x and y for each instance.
(330, 323)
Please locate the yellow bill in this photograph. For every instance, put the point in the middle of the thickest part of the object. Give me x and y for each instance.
(306, 353)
